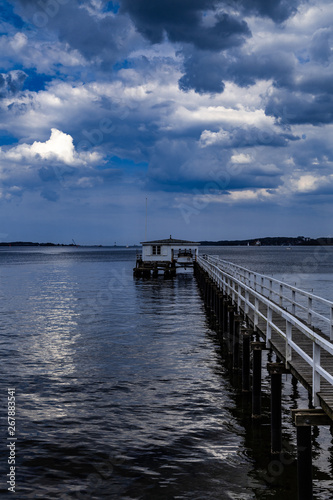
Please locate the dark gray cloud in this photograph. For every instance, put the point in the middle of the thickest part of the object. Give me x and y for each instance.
(291, 108)
(182, 22)
(315, 84)
(212, 52)
(203, 73)
(181, 166)
(99, 38)
(252, 137)
(207, 72)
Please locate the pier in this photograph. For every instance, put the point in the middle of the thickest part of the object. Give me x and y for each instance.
(256, 313)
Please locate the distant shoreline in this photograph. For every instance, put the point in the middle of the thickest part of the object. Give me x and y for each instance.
(268, 241)
(33, 244)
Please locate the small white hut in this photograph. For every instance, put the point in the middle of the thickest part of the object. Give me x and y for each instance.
(166, 255)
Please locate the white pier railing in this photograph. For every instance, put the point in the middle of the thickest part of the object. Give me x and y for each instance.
(300, 303)
(264, 296)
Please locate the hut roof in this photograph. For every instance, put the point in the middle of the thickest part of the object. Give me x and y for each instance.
(170, 241)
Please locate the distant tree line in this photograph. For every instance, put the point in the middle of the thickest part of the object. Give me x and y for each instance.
(31, 244)
(272, 241)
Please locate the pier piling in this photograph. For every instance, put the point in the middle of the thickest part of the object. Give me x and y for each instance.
(226, 302)
(246, 337)
(276, 370)
(235, 341)
(257, 348)
(304, 419)
(304, 463)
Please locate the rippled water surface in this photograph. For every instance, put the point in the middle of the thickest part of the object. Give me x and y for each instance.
(123, 390)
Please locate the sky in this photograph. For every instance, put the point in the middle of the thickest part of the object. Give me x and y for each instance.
(213, 117)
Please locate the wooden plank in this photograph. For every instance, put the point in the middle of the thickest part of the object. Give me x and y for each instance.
(311, 417)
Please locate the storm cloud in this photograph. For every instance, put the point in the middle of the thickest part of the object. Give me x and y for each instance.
(204, 104)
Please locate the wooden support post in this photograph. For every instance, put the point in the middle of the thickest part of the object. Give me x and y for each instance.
(235, 342)
(220, 310)
(216, 302)
(304, 419)
(230, 330)
(246, 361)
(225, 314)
(304, 463)
(212, 298)
(207, 293)
(216, 291)
(276, 370)
(231, 314)
(257, 348)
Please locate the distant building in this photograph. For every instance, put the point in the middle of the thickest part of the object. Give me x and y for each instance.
(166, 255)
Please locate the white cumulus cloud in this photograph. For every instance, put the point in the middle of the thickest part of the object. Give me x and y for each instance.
(59, 148)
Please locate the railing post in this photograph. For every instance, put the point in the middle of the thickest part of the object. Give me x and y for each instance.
(270, 289)
(256, 317)
(289, 330)
(262, 285)
(293, 304)
(309, 310)
(247, 298)
(331, 325)
(281, 296)
(268, 327)
(315, 375)
(239, 301)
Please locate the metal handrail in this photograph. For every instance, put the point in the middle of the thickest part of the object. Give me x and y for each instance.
(242, 291)
(258, 280)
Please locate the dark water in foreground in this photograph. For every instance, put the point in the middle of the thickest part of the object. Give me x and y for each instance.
(122, 389)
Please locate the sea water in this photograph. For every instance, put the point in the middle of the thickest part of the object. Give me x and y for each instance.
(122, 390)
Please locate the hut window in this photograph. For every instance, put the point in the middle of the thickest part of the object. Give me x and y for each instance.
(156, 249)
